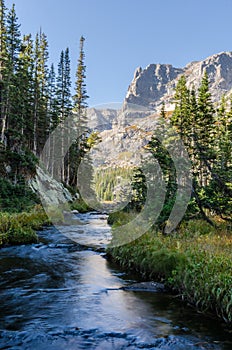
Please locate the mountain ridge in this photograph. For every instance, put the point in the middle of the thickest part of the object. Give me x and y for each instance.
(156, 83)
(141, 107)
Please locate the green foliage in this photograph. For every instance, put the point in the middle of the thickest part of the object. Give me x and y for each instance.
(206, 135)
(205, 281)
(63, 93)
(34, 100)
(211, 161)
(16, 198)
(20, 228)
(167, 179)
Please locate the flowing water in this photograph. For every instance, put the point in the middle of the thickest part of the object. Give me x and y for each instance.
(64, 294)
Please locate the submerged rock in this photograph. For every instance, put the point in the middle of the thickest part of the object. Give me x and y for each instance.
(154, 287)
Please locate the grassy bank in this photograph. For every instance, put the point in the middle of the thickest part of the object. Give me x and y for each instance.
(20, 228)
(196, 263)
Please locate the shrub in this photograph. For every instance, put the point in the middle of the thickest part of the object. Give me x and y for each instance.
(16, 198)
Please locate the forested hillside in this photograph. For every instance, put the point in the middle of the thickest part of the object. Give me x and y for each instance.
(34, 99)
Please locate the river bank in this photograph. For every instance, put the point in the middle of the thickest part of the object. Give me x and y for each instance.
(20, 228)
(62, 293)
(195, 263)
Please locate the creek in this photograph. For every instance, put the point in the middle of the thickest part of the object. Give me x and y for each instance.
(63, 294)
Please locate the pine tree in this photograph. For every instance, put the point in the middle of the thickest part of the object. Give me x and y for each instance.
(193, 110)
(53, 118)
(188, 119)
(223, 135)
(13, 42)
(40, 122)
(205, 121)
(67, 82)
(78, 149)
(64, 107)
(3, 69)
(64, 86)
(181, 115)
(68, 111)
(13, 38)
(3, 50)
(80, 97)
(43, 73)
(52, 100)
(25, 86)
(36, 94)
(219, 189)
(60, 86)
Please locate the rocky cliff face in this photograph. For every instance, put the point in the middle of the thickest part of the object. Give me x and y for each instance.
(219, 70)
(151, 84)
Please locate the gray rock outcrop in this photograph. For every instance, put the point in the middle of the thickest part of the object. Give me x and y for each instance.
(151, 84)
(51, 192)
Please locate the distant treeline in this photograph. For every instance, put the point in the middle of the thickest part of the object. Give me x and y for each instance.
(112, 184)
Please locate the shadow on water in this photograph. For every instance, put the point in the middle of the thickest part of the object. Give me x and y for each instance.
(60, 294)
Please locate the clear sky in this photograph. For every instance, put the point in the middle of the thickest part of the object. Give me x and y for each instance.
(124, 34)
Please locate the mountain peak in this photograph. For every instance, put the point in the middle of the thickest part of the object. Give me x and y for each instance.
(149, 84)
(156, 82)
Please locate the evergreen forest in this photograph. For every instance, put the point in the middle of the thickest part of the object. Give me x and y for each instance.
(35, 98)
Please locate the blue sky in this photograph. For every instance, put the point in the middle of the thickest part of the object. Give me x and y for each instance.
(124, 34)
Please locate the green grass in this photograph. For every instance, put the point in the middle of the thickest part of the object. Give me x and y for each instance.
(19, 228)
(196, 263)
